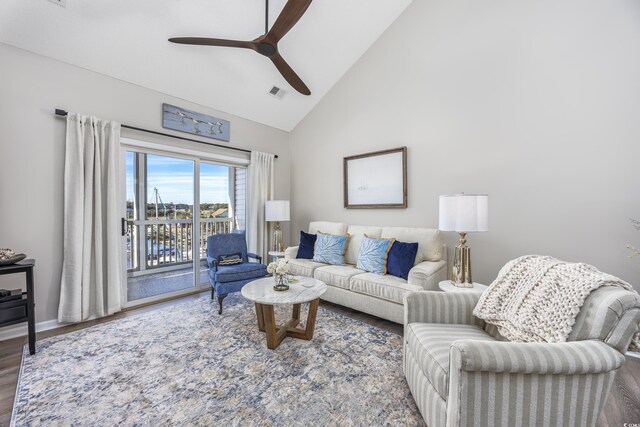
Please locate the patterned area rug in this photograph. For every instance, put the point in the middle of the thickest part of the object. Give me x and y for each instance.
(186, 365)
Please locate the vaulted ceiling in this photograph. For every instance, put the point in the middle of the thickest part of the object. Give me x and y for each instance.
(127, 40)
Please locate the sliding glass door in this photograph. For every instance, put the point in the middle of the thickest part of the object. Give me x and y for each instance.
(216, 212)
(173, 204)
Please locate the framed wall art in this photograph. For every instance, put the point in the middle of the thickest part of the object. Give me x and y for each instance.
(182, 120)
(376, 180)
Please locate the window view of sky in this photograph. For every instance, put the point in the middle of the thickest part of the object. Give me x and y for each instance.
(174, 180)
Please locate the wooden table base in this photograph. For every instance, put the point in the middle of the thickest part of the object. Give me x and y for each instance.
(275, 334)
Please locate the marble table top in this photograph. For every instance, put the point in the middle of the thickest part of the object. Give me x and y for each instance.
(262, 292)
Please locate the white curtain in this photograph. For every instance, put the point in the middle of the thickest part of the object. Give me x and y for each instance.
(260, 190)
(92, 271)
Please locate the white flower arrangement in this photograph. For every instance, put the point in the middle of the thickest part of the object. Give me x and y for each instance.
(280, 268)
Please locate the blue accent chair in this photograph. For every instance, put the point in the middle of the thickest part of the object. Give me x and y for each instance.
(226, 279)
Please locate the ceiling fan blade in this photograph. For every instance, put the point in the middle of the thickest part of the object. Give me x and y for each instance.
(204, 41)
(290, 15)
(290, 75)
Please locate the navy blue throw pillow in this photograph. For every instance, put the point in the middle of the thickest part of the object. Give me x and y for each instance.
(401, 258)
(307, 243)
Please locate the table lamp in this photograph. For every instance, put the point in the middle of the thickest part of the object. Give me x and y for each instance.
(463, 213)
(276, 211)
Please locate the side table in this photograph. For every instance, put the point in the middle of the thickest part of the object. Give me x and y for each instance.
(26, 312)
(276, 255)
(448, 286)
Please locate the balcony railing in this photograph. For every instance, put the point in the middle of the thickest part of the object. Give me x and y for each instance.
(155, 244)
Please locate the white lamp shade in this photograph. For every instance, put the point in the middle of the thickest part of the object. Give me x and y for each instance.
(464, 213)
(277, 210)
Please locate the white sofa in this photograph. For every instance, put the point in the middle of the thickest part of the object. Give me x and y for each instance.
(381, 296)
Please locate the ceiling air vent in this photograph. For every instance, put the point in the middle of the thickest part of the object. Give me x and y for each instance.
(277, 92)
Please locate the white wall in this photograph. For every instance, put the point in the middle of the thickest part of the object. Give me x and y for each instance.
(535, 102)
(32, 151)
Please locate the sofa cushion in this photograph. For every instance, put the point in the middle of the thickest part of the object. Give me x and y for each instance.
(335, 228)
(307, 244)
(233, 273)
(303, 267)
(336, 275)
(330, 249)
(430, 242)
(389, 288)
(356, 234)
(373, 255)
(401, 259)
(429, 344)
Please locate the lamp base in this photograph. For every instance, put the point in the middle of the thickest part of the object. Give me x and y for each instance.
(461, 268)
(277, 238)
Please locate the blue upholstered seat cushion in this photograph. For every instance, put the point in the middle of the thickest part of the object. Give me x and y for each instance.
(307, 243)
(232, 273)
(373, 254)
(330, 249)
(401, 259)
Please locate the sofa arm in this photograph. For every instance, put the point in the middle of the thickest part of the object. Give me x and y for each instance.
(291, 252)
(568, 358)
(254, 256)
(212, 263)
(529, 381)
(441, 307)
(428, 274)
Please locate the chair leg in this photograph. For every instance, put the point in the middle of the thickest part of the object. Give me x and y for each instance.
(220, 298)
(212, 292)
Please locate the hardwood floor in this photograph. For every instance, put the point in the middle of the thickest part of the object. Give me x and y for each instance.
(622, 405)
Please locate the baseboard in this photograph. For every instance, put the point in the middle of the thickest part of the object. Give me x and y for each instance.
(20, 330)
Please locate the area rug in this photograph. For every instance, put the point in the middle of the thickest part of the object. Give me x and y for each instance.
(187, 365)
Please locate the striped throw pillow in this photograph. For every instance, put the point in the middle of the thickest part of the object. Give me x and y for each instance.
(232, 259)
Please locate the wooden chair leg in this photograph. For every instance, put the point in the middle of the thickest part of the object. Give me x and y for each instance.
(220, 298)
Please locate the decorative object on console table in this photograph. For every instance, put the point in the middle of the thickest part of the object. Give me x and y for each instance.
(182, 120)
(276, 211)
(463, 213)
(376, 180)
(13, 311)
(8, 256)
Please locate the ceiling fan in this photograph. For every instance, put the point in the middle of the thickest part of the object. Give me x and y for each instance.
(266, 44)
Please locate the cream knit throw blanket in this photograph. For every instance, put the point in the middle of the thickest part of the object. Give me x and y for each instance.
(537, 298)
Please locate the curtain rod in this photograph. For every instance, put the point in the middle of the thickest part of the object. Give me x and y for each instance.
(63, 113)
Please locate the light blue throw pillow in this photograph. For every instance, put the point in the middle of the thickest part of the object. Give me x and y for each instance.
(373, 255)
(330, 249)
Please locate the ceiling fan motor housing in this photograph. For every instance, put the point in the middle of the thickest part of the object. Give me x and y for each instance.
(266, 49)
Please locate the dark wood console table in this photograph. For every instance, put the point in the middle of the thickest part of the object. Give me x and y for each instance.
(23, 309)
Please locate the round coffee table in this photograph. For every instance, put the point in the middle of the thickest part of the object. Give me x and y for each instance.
(262, 294)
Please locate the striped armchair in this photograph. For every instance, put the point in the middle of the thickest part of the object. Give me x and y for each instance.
(461, 372)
